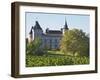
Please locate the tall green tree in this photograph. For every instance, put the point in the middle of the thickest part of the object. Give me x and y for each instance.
(34, 47)
(75, 41)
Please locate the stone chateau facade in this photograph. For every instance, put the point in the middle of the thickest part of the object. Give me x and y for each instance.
(50, 39)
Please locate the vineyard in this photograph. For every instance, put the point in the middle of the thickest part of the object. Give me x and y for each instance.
(54, 60)
(73, 50)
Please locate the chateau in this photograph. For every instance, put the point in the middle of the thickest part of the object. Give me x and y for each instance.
(50, 39)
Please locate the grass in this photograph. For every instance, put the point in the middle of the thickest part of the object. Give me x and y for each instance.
(55, 52)
(54, 58)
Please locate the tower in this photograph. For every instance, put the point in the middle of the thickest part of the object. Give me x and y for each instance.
(37, 30)
(65, 28)
(30, 39)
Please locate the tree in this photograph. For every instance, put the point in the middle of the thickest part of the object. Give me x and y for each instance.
(75, 41)
(34, 47)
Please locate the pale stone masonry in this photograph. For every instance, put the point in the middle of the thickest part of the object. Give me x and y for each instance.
(50, 39)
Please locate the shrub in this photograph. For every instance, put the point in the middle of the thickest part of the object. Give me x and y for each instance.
(35, 47)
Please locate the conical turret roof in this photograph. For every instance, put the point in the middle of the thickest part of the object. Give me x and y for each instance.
(37, 25)
(65, 26)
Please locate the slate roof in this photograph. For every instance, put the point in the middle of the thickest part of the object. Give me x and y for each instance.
(66, 26)
(31, 32)
(54, 32)
(37, 25)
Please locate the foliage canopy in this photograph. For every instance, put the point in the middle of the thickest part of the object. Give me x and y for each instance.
(75, 42)
(35, 47)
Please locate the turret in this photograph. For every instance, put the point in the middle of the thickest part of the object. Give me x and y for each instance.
(65, 27)
(30, 39)
(37, 30)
